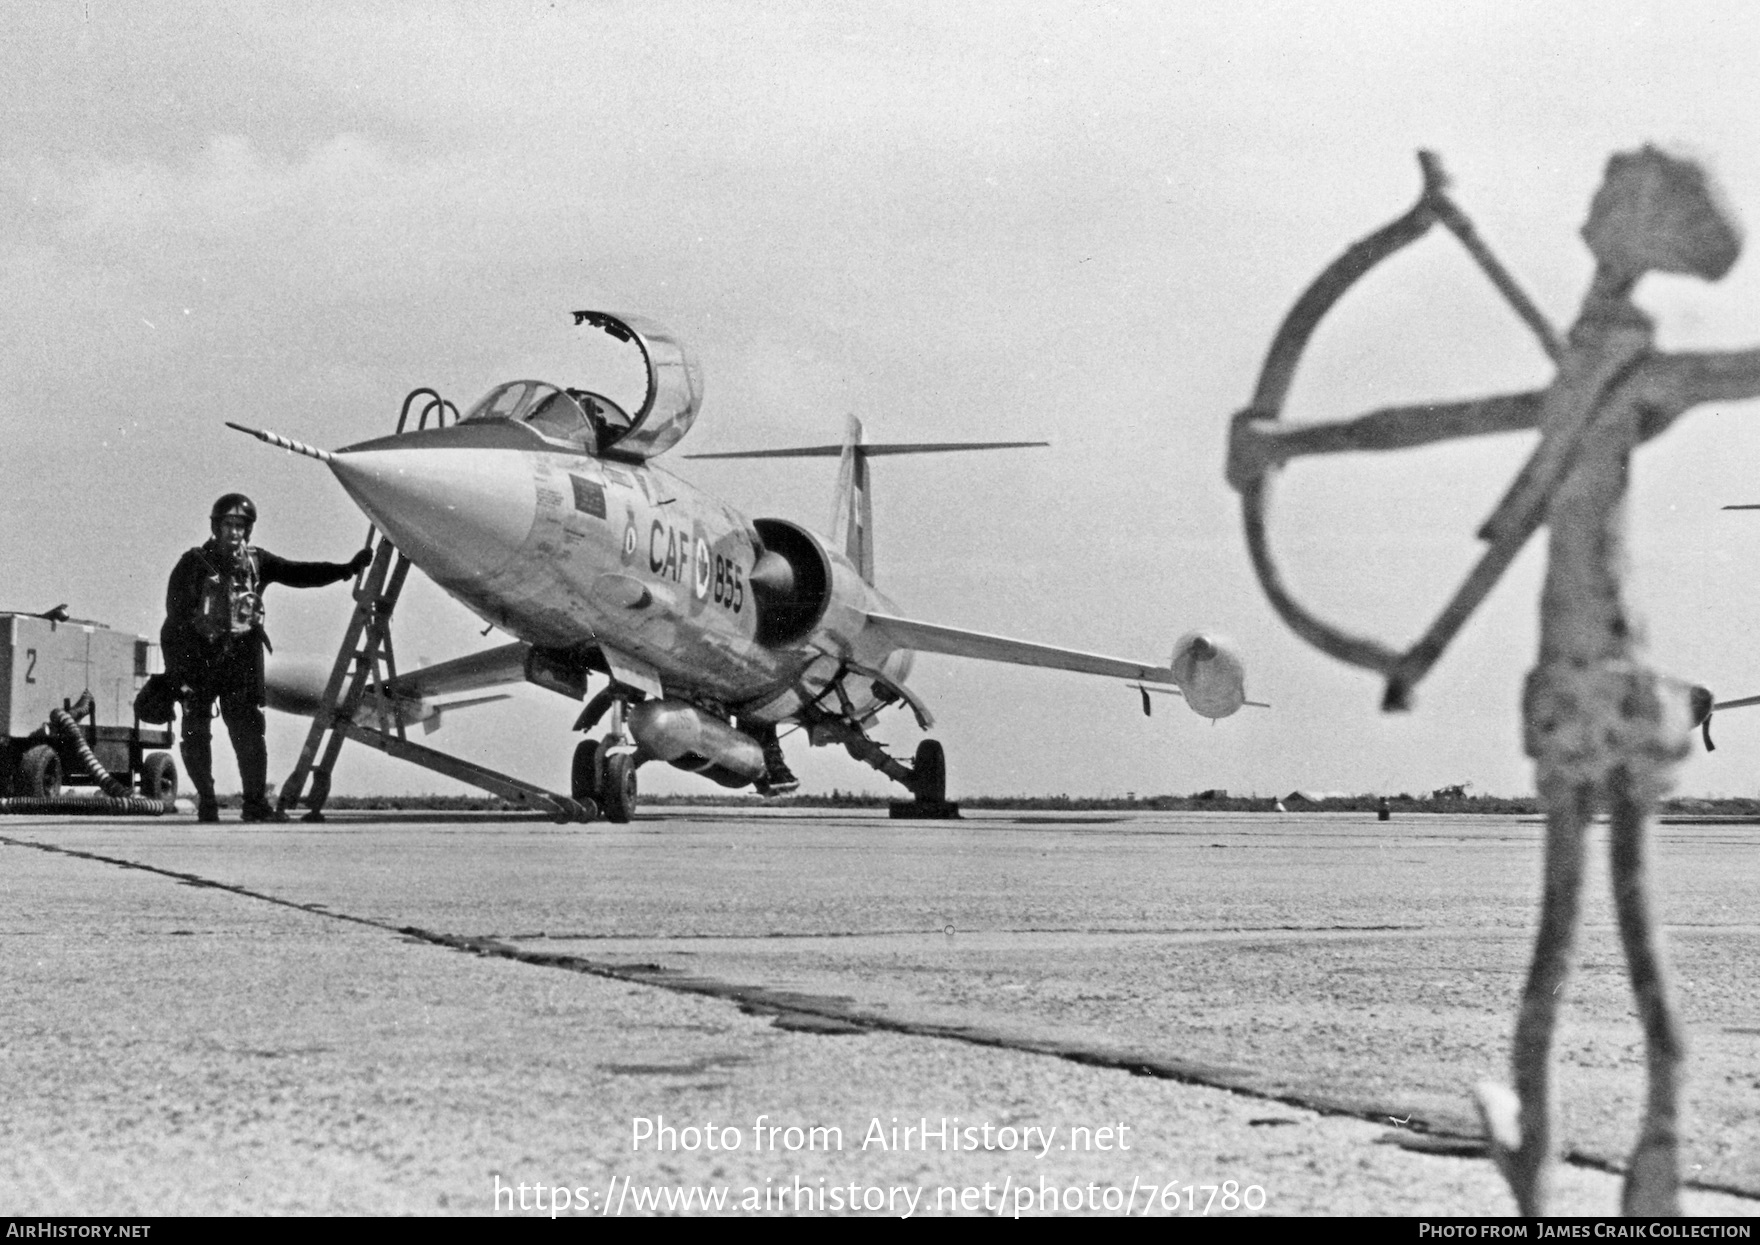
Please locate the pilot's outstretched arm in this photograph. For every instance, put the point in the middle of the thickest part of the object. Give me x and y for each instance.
(277, 570)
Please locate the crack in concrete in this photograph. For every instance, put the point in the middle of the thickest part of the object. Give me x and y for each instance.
(940, 931)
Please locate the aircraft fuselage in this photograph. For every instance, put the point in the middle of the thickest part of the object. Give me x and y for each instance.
(541, 510)
(571, 552)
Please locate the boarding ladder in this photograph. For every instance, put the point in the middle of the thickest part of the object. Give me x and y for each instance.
(366, 664)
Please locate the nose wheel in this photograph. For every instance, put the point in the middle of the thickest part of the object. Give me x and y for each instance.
(584, 773)
(607, 780)
(617, 795)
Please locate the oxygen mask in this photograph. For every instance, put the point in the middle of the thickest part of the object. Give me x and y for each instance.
(232, 535)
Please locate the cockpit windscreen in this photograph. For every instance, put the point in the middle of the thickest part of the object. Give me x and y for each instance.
(572, 416)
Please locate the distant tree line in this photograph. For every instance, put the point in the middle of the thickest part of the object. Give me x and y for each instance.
(1443, 800)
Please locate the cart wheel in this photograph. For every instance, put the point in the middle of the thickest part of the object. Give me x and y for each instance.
(40, 772)
(158, 776)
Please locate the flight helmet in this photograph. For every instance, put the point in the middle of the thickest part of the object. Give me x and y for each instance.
(230, 505)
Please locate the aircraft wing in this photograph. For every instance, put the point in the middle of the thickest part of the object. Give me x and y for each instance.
(493, 667)
(934, 638)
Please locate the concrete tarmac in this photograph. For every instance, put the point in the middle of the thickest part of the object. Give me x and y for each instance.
(1168, 1013)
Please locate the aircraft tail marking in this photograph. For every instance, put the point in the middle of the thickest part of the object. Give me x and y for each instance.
(852, 511)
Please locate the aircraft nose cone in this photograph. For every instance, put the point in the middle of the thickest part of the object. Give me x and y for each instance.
(459, 514)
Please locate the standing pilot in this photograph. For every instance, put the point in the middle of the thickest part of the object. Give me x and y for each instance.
(213, 644)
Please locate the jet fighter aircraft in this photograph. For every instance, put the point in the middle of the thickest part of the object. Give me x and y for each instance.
(542, 510)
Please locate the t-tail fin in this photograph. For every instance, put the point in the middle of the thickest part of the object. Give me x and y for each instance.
(852, 510)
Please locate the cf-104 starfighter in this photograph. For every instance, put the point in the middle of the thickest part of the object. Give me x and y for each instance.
(543, 510)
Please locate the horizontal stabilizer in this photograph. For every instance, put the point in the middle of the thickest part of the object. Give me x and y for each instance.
(875, 451)
(932, 638)
(1743, 703)
(852, 511)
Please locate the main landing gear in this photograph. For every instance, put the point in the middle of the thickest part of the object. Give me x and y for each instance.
(928, 786)
(925, 778)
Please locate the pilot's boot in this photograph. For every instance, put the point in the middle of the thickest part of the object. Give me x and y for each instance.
(778, 778)
(253, 773)
(198, 767)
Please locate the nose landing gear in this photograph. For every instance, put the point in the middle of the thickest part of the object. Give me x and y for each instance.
(606, 772)
(617, 794)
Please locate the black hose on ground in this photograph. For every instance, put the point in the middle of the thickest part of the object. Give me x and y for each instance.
(95, 805)
(118, 796)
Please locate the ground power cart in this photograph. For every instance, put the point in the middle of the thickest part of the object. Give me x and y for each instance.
(49, 662)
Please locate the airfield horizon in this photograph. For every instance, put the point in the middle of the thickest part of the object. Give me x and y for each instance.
(1294, 801)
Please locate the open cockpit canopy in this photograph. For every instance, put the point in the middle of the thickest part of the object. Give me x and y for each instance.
(586, 419)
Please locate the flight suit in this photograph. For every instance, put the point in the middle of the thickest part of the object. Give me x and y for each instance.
(213, 642)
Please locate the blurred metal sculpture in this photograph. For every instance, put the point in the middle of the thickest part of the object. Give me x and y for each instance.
(1604, 729)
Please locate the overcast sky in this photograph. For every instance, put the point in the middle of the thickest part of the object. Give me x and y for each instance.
(1078, 223)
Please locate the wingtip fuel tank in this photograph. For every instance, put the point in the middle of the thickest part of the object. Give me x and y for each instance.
(1210, 674)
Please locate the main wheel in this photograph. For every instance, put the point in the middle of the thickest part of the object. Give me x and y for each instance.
(158, 776)
(583, 780)
(40, 772)
(618, 797)
(929, 772)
